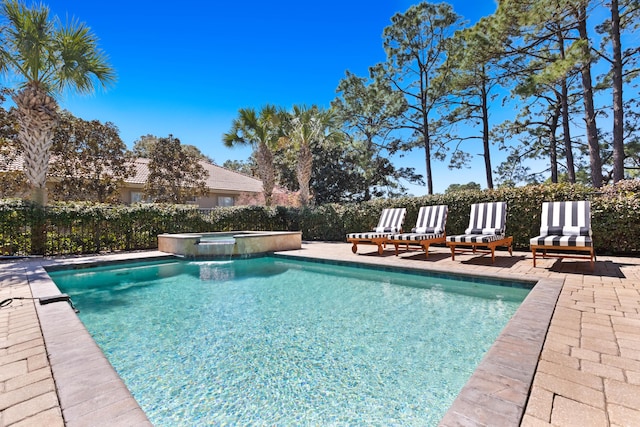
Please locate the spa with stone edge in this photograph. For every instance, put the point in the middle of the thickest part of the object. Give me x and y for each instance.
(225, 244)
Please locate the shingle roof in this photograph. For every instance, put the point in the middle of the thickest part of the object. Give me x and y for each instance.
(225, 179)
(219, 178)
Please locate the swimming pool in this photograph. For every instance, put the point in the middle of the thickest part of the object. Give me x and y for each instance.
(274, 341)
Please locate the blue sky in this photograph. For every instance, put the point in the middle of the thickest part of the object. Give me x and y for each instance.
(186, 67)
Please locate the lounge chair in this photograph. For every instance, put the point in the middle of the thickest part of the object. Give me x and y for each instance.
(486, 229)
(391, 220)
(429, 229)
(564, 226)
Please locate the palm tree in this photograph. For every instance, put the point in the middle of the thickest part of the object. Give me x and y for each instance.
(260, 131)
(47, 58)
(308, 127)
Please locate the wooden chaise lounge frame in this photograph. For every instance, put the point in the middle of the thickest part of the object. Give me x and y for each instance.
(564, 226)
(486, 230)
(429, 229)
(390, 222)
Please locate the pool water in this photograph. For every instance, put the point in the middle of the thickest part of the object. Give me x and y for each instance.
(273, 341)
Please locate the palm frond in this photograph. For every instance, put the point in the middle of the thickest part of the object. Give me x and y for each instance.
(80, 63)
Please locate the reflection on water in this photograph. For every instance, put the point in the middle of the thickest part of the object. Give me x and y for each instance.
(215, 270)
(227, 270)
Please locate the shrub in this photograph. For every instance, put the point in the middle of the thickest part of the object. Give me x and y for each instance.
(73, 228)
(615, 212)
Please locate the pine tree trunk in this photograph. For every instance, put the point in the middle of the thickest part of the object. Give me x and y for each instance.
(566, 134)
(485, 136)
(553, 143)
(566, 128)
(595, 160)
(427, 157)
(618, 111)
(427, 146)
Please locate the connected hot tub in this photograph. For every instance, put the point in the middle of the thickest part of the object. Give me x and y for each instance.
(225, 244)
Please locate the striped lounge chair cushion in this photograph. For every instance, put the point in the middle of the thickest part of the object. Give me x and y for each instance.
(429, 225)
(487, 218)
(475, 238)
(565, 224)
(367, 236)
(431, 220)
(391, 220)
(584, 241)
(415, 237)
(486, 224)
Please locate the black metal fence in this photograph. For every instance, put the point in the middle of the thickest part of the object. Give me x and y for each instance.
(26, 229)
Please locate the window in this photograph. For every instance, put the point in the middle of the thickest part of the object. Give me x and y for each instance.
(136, 197)
(225, 201)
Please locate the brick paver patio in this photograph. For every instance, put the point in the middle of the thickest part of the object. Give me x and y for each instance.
(587, 374)
(28, 394)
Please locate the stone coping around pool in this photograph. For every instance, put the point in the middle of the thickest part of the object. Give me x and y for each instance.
(238, 243)
(79, 264)
(496, 279)
(89, 388)
(498, 390)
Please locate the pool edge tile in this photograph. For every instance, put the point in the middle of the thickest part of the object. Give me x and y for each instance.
(503, 409)
(73, 394)
(533, 316)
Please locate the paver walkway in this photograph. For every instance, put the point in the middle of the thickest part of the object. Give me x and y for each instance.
(588, 373)
(27, 391)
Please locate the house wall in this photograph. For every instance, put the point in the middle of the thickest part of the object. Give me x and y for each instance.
(127, 196)
(217, 199)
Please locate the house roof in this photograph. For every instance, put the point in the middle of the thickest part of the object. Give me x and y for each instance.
(219, 179)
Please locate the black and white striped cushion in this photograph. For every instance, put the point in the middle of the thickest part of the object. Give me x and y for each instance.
(475, 238)
(431, 220)
(429, 225)
(412, 237)
(487, 218)
(486, 224)
(391, 220)
(566, 219)
(584, 241)
(565, 224)
(367, 236)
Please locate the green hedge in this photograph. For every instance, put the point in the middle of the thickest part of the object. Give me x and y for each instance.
(79, 228)
(90, 228)
(615, 212)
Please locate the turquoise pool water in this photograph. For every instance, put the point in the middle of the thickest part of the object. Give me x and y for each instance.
(272, 341)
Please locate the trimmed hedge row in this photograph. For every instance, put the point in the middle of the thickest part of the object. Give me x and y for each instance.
(92, 228)
(89, 228)
(615, 212)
